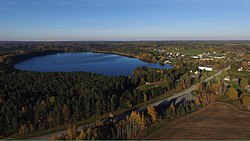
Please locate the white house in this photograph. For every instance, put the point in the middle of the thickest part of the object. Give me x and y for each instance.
(227, 78)
(206, 68)
(240, 69)
(166, 62)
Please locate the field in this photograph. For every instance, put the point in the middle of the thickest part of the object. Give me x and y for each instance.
(147, 87)
(216, 121)
(191, 52)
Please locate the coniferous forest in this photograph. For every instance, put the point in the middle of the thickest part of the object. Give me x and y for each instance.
(42, 100)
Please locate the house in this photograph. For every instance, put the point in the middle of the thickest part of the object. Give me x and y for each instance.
(166, 62)
(221, 57)
(200, 55)
(207, 59)
(206, 68)
(227, 78)
(240, 69)
(235, 80)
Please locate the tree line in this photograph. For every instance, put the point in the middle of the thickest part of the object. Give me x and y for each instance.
(137, 122)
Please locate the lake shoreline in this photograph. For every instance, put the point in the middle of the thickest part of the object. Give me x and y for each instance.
(105, 63)
(126, 55)
(22, 57)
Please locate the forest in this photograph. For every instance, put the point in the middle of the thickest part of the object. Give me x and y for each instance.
(43, 100)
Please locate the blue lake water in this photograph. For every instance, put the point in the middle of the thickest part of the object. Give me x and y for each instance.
(106, 64)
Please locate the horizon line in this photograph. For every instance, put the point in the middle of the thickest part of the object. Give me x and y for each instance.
(124, 40)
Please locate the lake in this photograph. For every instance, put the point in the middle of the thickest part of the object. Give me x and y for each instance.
(106, 64)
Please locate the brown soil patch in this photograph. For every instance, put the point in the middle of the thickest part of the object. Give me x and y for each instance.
(216, 121)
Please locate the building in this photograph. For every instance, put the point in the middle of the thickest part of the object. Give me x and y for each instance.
(206, 68)
(227, 78)
(195, 57)
(240, 69)
(166, 62)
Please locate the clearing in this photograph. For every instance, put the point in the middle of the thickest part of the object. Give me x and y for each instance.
(150, 86)
(191, 52)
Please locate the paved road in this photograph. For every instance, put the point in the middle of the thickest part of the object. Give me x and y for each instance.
(185, 93)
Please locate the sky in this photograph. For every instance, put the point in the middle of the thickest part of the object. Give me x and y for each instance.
(112, 20)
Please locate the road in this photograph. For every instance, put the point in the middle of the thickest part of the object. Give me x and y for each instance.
(123, 115)
(186, 91)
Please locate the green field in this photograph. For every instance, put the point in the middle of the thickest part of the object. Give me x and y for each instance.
(147, 87)
(191, 52)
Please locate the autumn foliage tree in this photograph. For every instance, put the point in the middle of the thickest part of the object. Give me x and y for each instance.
(82, 135)
(246, 101)
(232, 94)
(198, 87)
(138, 122)
(243, 83)
(152, 112)
(23, 130)
(72, 132)
(145, 98)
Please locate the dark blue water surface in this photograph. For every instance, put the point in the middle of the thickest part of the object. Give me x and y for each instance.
(106, 64)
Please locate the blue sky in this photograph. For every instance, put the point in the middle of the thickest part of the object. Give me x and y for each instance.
(124, 20)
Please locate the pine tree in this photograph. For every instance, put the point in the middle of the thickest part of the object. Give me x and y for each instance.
(65, 113)
(170, 112)
(113, 103)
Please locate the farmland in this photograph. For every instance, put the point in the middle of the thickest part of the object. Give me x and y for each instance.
(216, 121)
